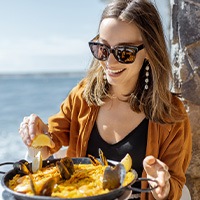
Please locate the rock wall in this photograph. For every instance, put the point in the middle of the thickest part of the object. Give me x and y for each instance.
(185, 36)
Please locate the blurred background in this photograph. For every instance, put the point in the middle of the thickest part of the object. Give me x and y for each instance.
(43, 54)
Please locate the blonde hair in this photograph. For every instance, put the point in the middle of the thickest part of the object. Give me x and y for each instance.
(155, 102)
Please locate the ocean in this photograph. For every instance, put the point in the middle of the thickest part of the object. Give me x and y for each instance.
(21, 95)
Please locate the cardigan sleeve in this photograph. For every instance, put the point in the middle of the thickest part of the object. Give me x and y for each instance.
(60, 124)
(172, 144)
(176, 153)
(72, 125)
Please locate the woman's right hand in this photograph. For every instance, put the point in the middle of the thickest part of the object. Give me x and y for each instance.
(30, 127)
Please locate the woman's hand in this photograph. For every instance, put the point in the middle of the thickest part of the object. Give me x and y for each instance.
(157, 170)
(30, 127)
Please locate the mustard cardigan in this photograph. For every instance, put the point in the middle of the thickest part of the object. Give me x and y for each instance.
(171, 143)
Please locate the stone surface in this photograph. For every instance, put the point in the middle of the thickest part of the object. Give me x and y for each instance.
(189, 42)
(189, 21)
(186, 61)
(191, 89)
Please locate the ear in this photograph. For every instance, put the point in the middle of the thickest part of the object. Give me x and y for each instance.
(146, 55)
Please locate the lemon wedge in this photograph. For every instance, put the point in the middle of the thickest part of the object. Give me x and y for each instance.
(42, 140)
(37, 162)
(127, 162)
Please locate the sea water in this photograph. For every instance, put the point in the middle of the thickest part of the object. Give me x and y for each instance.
(21, 95)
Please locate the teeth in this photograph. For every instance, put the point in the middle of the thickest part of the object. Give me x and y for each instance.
(115, 71)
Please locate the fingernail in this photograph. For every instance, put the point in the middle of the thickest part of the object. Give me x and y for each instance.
(28, 142)
(32, 137)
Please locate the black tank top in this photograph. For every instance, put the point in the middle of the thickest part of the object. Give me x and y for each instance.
(134, 144)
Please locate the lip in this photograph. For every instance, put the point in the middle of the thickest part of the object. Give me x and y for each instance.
(115, 72)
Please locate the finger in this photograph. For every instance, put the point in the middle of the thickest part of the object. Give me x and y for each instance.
(163, 173)
(33, 125)
(33, 118)
(163, 177)
(163, 191)
(23, 123)
(163, 166)
(148, 161)
(26, 120)
(24, 132)
(149, 166)
(22, 127)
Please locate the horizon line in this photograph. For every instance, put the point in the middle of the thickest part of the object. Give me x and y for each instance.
(43, 73)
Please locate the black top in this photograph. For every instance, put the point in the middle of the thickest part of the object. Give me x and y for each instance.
(134, 144)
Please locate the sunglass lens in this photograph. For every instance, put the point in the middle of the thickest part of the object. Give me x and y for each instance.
(125, 54)
(99, 51)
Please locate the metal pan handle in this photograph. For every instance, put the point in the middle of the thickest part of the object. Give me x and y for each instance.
(143, 190)
(5, 163)
(10, 163)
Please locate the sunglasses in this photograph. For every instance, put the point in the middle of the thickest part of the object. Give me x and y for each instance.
(125, 54)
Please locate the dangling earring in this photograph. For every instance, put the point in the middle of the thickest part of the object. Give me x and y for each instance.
(104, 74)
(147, 68)
(104, 77)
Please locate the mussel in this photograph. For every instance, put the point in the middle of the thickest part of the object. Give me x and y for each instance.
(113, 177)
(102, 161)
(22, 167)
(94, 160)
(45, 188)
(66, 167)
(48, 187)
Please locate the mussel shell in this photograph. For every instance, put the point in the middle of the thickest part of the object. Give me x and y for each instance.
(114, 177)
(64, 172)
(33, 185)
(103, 159)
(22, 167)
(94, 160)
(67, 161)
(48, 187)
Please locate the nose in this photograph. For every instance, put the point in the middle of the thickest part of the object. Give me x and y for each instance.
(111, 59)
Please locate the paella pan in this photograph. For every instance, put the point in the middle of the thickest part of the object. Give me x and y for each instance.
(105, 177)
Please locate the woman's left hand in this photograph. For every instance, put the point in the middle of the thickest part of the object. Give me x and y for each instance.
(157, 170)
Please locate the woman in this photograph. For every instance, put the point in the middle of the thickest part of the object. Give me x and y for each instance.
(124, 104)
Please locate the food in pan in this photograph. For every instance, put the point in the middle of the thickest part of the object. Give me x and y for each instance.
(65, 179)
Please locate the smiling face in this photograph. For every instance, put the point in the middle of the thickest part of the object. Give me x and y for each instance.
(113, 32)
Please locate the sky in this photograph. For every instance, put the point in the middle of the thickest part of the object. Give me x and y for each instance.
(48, 35)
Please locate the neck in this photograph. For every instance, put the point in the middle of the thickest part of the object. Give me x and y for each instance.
(120, 92)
